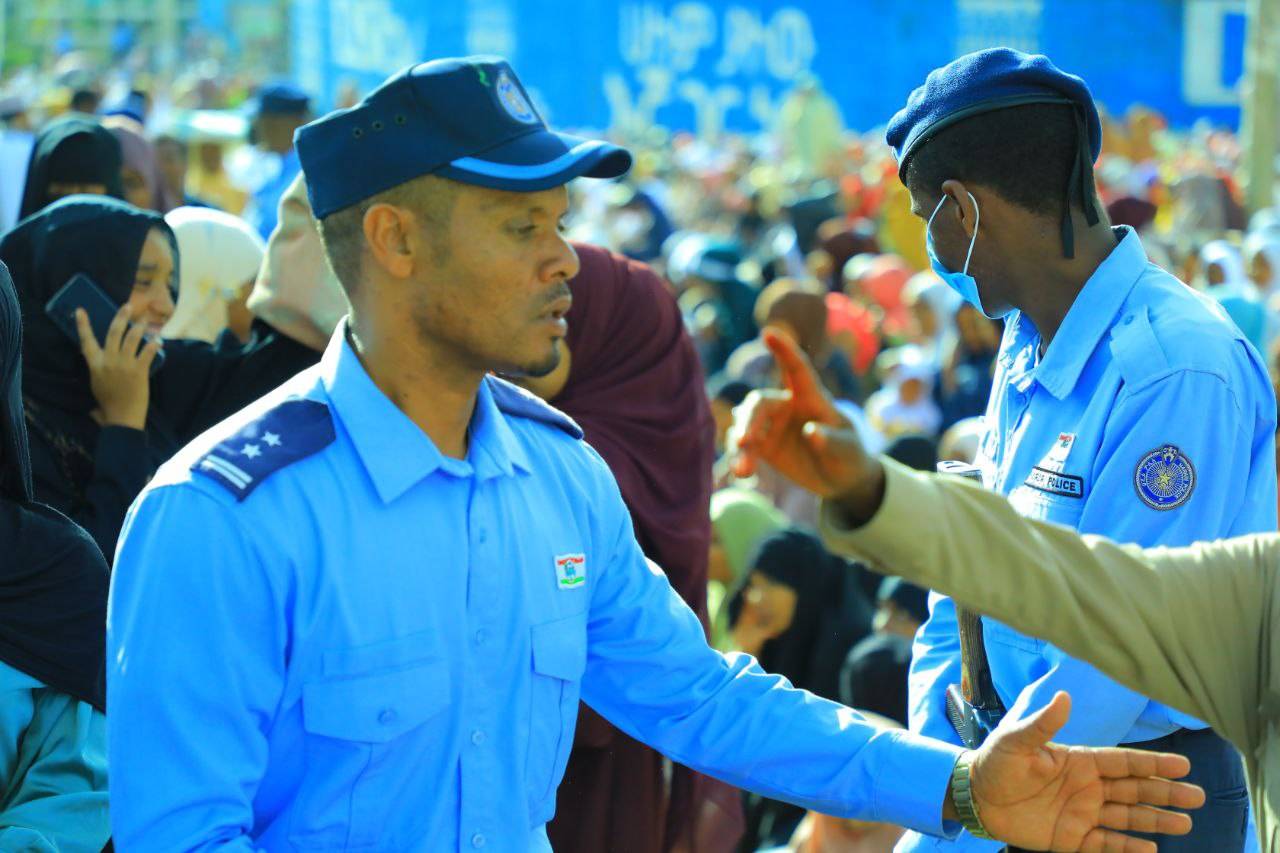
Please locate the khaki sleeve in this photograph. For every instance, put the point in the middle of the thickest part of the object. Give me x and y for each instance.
(1185, 626)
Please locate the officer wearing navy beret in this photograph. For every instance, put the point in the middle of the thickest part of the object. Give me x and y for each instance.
(360, 614)
(280, 108)
(1124, 404)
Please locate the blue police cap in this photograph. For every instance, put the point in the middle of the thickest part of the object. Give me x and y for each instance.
(466, 119)
(994, 79)
(982, 82)
(282, 98)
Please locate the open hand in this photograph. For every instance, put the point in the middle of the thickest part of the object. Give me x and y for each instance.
(119, 369)
(1044, 796)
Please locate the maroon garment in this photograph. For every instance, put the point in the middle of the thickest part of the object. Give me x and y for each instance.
(637, 389)
(1137, 213)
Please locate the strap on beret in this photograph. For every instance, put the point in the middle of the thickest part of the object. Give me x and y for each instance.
(1080, 186)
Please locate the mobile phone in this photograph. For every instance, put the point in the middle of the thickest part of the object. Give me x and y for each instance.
(80, 291)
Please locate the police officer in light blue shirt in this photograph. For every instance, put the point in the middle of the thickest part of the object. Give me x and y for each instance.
(281, 108)
(360, 614)
(1124, 403)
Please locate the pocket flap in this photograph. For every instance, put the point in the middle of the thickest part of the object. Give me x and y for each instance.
(375, 708)
(560, 648)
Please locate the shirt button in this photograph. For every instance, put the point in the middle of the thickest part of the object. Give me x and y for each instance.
(477, 840)
(477, 737)
(387, 716)
(481, 636)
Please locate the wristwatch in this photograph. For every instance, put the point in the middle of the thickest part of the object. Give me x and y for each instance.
(962, 798)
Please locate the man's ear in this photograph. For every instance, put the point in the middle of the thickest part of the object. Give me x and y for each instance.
(966, 208)
(390, 234)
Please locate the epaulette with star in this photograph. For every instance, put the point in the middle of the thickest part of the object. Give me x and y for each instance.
(293, 430)
(514, 400)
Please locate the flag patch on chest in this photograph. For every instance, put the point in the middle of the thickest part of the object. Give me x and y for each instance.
(571, 570)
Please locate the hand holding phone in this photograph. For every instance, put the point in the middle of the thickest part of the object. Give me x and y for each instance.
(82, 292)
(119, 368)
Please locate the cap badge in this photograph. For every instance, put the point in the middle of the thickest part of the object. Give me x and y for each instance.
(514, 101)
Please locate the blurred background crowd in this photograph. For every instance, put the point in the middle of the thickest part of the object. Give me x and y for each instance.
(801, 225)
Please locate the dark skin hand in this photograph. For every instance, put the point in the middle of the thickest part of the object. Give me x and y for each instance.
(1030, 792)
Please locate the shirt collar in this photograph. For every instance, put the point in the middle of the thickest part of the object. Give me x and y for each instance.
(393, 449)
(1091, 315)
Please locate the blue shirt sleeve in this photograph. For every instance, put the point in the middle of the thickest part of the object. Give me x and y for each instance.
(53, 769)
(173, 597)
(1234, 493)
(650, 671)
(935, 665)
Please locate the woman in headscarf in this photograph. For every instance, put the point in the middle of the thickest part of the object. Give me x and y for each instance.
(221, 255)
(634, 384)
(98, 434)
(933, 306)
(53, 610)
(905, 405)
(740, 520)
(1262, 263)
(1227, 283)
(144, 185)
(71, 155)
(799, 610)
(1262, 260)
(964, 385)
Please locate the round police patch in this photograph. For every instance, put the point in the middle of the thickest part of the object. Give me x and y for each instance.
(513, 100)
(1165, 478)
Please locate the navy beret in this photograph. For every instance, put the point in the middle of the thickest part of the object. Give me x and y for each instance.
(467, 119)
(982, 82)
(282, 99)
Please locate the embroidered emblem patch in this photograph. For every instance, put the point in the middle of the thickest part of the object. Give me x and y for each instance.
(513, 100)
(571, 570)
(1165, 478)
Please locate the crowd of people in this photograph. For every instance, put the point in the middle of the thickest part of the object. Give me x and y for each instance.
(196, 223)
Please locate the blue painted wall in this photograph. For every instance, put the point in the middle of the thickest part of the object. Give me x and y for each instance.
(708, 63)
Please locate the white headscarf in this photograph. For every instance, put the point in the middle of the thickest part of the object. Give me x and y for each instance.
(1266, 243)
(1226, 257)
(219, 253)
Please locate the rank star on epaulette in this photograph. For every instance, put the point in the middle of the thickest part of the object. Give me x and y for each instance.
(242, 461)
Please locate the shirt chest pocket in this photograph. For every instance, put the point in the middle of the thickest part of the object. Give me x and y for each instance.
(358, 719)
(559, 658)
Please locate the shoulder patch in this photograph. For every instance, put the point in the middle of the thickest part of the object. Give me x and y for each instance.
(1165, 478)
(293, 430)
(514, 400)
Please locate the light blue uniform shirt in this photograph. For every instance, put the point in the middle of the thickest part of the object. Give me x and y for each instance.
(375, 647)
(263, 210)
(1079, 436)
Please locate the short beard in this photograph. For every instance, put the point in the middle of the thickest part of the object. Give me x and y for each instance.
(536, 371)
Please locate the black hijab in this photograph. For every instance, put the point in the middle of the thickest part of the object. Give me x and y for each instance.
(833, 612)
(94, 235)
(71, 150)
(53, 579)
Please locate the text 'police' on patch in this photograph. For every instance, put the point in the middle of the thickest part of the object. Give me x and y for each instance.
(1055, 483)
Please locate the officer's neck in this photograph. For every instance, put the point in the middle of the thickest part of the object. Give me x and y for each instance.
(433, 391)
(1046, 284)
